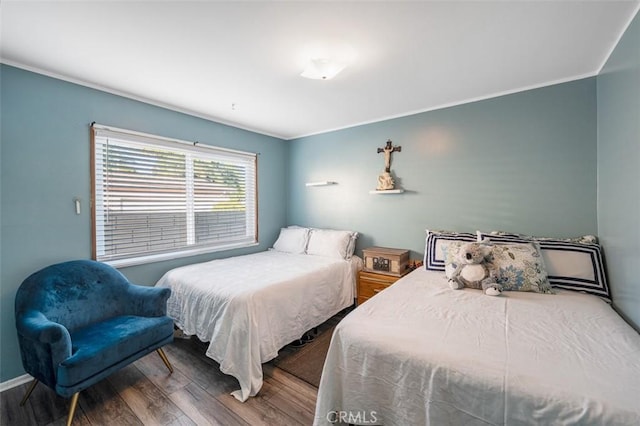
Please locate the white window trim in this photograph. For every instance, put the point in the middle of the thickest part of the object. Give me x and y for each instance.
(179, 145)
(141, 260)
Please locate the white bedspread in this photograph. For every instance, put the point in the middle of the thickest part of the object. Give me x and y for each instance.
(420, 353)
(248, 307)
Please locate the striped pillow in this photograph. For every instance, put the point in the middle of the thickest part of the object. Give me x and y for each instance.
(572, 264)
(438, 244)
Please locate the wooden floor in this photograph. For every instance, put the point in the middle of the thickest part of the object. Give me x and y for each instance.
(144, 393)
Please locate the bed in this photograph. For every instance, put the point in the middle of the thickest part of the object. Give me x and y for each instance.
(249, 307)
(422, 353)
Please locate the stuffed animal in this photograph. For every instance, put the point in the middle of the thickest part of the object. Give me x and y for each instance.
(472, 270)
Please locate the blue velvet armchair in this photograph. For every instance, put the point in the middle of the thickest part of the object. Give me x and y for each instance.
(82, 320)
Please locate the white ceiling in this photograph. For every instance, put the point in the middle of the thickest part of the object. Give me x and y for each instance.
(404, 57)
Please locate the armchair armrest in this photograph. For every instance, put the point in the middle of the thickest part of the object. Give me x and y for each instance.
(44, 344)
(33, 325)
(148, 301)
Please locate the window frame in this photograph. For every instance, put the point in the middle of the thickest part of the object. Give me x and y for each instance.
(181, 146)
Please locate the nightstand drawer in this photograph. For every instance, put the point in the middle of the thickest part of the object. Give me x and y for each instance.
(370, 284)
(370, 288)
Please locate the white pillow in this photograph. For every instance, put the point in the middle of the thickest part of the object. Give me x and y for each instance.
(329, 243)
(292, 240)
(351, 248)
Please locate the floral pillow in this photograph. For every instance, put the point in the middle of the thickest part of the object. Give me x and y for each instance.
(519, 267)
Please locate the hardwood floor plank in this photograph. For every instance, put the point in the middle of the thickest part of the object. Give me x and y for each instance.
(48, 407)
(258, 411)
(103, 406)
(304, 389)
(205, 409)
(296, 397)
(79, 419)
(12, 413)
(150, 404)
(155, 370)
(286, 402)
(191, 361)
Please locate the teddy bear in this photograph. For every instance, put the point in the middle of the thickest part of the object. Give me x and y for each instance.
(472, 270)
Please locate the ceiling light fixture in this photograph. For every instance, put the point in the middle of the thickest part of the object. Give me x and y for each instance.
(322, 69)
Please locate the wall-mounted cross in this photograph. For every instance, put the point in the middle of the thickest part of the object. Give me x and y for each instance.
(388, 149)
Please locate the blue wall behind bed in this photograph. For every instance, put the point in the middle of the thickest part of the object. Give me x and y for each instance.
(45, 164)
(524, 162)
(619, 170)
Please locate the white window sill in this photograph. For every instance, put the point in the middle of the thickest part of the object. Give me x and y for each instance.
(141, 260)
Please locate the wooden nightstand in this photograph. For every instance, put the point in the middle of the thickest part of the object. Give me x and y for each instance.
(370, 284)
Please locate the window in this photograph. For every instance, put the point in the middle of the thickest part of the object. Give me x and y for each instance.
(155, 198)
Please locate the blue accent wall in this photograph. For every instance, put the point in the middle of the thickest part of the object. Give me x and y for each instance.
(619, 170)
(45, 163)
(524, 162)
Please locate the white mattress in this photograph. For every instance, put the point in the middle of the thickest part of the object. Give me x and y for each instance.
(248, 307)
(420, 353)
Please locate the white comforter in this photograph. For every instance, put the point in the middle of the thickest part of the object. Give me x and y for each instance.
(420, 353)
(248, 307)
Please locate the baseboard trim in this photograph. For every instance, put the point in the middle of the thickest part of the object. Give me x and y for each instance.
(20, 380)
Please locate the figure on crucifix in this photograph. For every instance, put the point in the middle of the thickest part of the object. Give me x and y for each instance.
(388, 149)
(385, 181)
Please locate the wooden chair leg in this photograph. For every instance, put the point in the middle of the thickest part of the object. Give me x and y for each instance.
(26, 396)
(165, 359)
(72, 410)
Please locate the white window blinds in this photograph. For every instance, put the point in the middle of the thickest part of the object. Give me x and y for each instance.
(156, 198)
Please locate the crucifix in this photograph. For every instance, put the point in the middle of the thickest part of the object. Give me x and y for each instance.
(388, 149)
(385, 181)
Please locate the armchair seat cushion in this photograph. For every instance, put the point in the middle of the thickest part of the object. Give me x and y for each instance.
(98, 347)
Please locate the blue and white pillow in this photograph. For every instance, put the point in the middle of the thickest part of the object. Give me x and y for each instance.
(519, 267)
(571, 264)
(438, 245)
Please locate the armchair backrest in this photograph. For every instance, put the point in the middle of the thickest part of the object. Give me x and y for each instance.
(75, 293)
